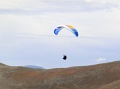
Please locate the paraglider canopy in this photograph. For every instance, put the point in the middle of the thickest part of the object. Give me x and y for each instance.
(64, 57)
(69, 27)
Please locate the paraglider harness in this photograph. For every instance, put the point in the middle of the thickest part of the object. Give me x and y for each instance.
(64, 57)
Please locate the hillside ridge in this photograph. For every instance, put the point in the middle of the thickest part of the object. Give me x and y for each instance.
(99, 76)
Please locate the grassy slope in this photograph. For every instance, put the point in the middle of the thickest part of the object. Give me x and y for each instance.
(101, 76)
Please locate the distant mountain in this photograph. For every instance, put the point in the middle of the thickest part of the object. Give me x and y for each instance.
(34, 67)
(100, 76)
(1, 64)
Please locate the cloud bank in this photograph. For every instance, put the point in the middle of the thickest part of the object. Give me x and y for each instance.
(33, 7)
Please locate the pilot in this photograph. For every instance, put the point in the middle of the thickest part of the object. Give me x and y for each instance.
(64, 57)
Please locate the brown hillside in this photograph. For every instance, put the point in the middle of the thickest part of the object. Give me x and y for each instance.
(101, 76)
(113, 85)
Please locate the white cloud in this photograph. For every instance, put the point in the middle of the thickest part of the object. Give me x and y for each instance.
(23, 4)
(46, 6)
(12, 27)
(101, 59)
(104, 1)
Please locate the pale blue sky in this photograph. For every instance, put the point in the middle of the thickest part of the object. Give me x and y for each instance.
(27, 38)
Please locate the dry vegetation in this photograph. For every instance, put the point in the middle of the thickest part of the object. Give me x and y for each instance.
(101, 76)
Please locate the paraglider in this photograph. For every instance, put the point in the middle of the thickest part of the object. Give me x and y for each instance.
(70, 28)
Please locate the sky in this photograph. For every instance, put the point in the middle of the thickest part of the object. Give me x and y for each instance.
(27, 32)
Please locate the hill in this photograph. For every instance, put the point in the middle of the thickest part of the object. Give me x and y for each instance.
(101, 76)
(34, 67)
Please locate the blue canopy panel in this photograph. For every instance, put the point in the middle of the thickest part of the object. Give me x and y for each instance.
(75, 32)
(56, 31)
